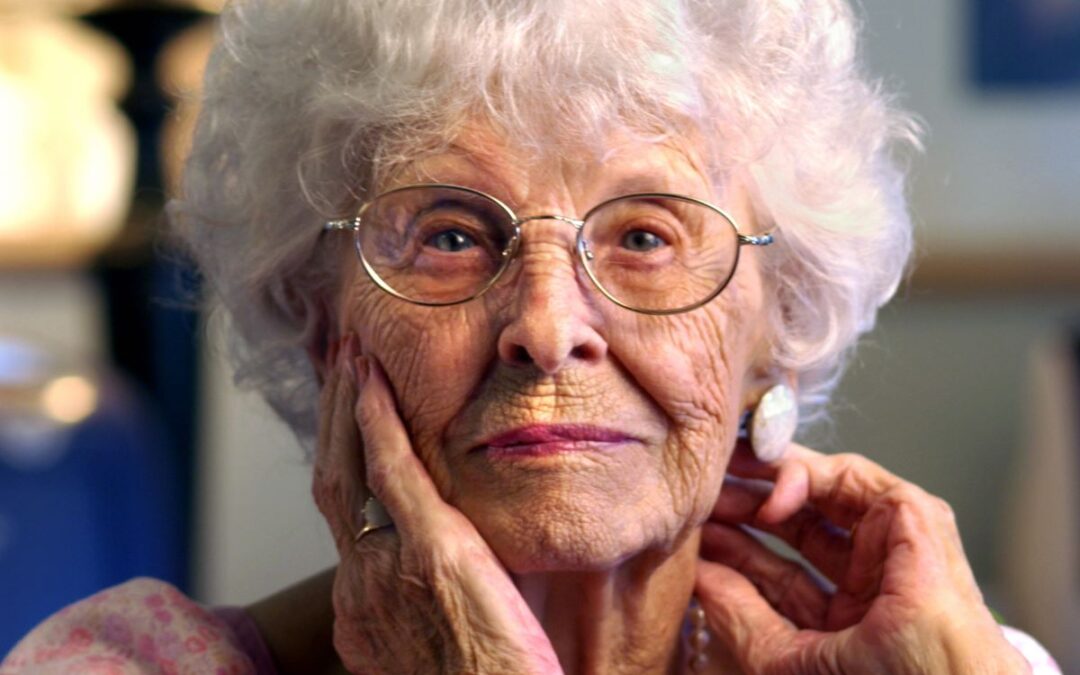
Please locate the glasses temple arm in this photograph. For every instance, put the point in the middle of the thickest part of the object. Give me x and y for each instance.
(756, 239)
(346, 224)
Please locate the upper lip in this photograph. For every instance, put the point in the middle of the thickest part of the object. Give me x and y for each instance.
(552, 433)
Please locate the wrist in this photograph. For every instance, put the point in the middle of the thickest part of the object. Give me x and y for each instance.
(982, 650)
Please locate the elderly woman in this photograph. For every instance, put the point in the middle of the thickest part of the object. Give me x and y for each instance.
(567, 275)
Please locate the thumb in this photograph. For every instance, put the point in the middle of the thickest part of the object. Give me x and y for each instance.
(741, 619)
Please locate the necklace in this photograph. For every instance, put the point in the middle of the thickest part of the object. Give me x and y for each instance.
(697, 638)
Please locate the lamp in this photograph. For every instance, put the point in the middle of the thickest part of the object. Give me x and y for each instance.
(67, 154)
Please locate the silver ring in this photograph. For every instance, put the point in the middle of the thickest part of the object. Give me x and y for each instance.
(375, 517)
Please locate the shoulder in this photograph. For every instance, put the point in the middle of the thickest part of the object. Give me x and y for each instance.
(142, 625)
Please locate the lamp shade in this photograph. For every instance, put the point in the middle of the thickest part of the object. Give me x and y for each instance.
(67, 153)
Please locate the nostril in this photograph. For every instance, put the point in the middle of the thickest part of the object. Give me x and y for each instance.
(582, 352)
(520, 355)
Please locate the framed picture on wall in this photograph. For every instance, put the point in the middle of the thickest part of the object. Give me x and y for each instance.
(1026, 44)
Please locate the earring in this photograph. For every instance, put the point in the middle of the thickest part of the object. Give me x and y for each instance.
(772, 423)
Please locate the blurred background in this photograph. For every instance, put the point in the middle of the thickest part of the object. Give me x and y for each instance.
(125, 450)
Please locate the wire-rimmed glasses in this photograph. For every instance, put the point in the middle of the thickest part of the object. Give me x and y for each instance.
(655, 253)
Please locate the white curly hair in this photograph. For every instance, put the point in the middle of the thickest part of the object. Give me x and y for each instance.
(307, 103)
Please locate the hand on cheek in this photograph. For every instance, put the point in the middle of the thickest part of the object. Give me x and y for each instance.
(427, 594)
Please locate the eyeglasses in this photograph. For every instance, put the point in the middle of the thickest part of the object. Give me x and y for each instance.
(653, 253)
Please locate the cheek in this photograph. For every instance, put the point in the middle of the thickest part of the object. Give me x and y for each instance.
(434, 357)
(693, 366)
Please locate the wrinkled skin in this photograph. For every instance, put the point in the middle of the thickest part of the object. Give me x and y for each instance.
(428, 595)
(545, 346)
(460, 583)
(905, 600)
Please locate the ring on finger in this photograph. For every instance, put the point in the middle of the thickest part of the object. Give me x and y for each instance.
(374, 517)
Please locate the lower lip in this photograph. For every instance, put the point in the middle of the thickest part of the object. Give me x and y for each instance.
(549, 449)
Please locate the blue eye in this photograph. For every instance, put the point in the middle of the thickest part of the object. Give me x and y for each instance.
(641, 241)
(450, 241)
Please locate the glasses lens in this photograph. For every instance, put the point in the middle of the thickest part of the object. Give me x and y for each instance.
(436, 245)
(660, 253)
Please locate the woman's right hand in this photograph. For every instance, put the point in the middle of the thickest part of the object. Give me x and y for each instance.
(427, 595)
(905, 599)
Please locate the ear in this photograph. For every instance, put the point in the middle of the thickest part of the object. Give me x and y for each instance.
(323, 342)
(760, 379)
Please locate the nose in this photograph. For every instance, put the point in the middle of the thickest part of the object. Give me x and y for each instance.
(552, 323)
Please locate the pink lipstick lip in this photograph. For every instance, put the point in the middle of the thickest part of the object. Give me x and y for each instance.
(548, 438)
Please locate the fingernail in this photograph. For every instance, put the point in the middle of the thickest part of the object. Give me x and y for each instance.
(346, 355)
(333, 352)
(360, 371)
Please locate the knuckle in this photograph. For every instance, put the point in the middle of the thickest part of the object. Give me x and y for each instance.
(366, 413)
(849, 461)
(381, 550)
(906, 494)
(944, 509)
(849, 469)
(379, 477)
(848, 472)
(324, 490)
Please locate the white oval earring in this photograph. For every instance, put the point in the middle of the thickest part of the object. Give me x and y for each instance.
(772, 423)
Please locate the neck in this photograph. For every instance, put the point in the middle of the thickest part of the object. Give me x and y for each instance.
(623, 620)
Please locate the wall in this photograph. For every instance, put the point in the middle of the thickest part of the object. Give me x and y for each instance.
(938, 395)
(1000, 169)
(258, 528)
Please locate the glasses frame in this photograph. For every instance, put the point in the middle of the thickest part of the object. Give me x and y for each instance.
(581, 245)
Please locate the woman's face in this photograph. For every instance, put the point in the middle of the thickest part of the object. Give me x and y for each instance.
(573, 433)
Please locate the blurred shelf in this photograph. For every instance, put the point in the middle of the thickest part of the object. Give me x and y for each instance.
(1027, 271)
(45, 255)
(87, 6)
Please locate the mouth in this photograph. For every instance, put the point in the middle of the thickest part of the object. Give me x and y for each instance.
(539, 440)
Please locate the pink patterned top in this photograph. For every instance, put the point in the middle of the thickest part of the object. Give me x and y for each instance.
(147, 626)
(142, 626)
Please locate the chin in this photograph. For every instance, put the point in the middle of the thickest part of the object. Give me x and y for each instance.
(568, 539)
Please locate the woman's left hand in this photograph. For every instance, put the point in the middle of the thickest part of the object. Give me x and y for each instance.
(905, 600)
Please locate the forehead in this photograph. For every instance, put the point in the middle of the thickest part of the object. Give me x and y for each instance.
(621, 163)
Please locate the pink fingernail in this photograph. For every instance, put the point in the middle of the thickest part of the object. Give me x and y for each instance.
(361, 371)
(345, 357)
(333, 352)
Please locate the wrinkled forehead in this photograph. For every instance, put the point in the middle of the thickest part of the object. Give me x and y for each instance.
(622, 160)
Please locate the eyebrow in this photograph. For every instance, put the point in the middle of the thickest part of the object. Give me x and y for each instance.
(467, 170)
(638, 183)
(470, 174)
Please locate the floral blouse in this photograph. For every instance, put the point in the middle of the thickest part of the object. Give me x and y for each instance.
(147, 626)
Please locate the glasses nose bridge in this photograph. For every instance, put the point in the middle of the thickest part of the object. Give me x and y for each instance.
(576, 222)
(581, 247)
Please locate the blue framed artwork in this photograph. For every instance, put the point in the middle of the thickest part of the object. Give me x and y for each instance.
(1026, 43)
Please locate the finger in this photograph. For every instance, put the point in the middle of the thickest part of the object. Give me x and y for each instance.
(468, 576)
(843, 487)
(787, 586)
(825, 545)
(905, 547)
(338, 476)
(740, 618)
(847, 490)
(326, 397)
(395, 474)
